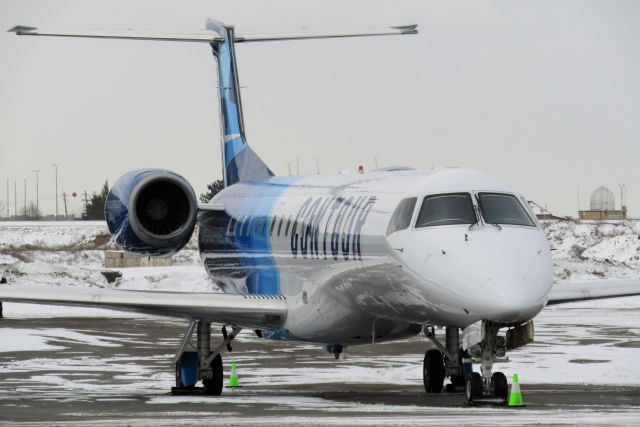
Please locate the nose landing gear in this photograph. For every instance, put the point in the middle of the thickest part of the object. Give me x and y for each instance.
(451, 361)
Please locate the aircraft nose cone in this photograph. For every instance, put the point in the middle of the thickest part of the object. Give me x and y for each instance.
(510, 299)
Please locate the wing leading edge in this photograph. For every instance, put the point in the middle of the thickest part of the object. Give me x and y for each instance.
(599, 289)
(248, 311)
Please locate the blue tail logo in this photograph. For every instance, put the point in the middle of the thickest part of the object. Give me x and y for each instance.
(240, 162)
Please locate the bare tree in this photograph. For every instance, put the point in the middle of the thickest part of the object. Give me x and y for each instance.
(32, 212)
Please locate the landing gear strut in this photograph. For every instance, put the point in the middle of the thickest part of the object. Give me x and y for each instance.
(204, 364)
(451, 361)
(491, 349)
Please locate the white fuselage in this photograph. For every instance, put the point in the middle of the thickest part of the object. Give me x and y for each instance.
(323, 242)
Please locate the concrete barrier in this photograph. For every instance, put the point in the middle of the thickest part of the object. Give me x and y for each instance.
(122, 259)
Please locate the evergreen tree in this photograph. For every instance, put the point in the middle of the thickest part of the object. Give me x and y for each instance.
(212, 189)
(95, 205)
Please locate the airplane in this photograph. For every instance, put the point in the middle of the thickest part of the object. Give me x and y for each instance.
(336, 259)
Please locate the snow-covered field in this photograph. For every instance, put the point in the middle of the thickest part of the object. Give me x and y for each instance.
(591, 250)
(72, 254)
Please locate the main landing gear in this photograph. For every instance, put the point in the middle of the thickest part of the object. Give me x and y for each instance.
(451, 361)
(203, 364)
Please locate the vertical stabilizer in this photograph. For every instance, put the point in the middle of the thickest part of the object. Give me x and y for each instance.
(240, 162)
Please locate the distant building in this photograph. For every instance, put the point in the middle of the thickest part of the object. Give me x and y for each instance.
(542, 213)
(603, 207)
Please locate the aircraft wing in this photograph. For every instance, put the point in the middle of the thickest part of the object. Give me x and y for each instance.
(248, 311)
(581, 291)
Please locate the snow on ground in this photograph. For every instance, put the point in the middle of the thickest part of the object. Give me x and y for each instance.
(53, 235)
(71, 253)
(590, 250)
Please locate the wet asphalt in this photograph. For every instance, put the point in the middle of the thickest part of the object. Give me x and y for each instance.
(118, 371)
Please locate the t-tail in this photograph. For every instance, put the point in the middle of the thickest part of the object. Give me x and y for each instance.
(239, 161)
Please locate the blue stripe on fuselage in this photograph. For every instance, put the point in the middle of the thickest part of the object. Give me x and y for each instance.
(255, 249)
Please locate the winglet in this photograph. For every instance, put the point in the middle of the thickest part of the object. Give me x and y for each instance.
(407, 29)
(22, 29)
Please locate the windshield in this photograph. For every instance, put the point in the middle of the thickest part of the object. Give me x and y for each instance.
(401, 217)
(503, 209)
(446, 209)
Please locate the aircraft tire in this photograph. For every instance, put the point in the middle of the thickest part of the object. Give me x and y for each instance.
(474, 387)
(213, 385)
(500, 386)
(187, 370)
(433, 371)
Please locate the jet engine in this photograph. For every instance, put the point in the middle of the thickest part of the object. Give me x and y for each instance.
(151, 212)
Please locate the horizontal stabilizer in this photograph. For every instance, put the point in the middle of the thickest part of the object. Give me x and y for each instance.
(205, 36)
(391, 31)
(201, 36)
(582, 291)
(248, 311)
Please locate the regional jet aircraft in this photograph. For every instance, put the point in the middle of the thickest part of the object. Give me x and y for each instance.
(338, 259)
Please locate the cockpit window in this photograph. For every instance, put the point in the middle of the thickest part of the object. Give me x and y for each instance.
(503, 209)
(446, 209)
(401, 217)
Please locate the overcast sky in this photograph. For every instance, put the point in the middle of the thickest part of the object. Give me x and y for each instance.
(545, 94)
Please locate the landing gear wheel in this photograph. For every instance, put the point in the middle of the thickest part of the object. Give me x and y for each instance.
(500, 387)
(458, 383)
(474, 387)
(433, 371)
(187, 370)
(213, 385)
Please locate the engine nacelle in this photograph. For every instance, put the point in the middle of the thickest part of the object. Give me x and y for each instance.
(151, 212)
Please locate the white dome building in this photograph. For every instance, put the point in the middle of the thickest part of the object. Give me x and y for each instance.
(603, 199)
(603, 207)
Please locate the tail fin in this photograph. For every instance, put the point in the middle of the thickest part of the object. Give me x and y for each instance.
(240, 162)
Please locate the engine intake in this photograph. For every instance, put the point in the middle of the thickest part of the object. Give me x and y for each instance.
(151, 212)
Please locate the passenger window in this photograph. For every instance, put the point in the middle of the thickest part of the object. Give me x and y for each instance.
(243, 226)
(401, 217)
(265, 220)
(232, 226)
(256, 225)
(446, 209)
(273, 223)
(503, 209)
(247, 230)
(286, 230)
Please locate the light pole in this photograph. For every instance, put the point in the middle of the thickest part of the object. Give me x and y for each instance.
(15, 197)
(37, 171)
(8, 198)
(56, 166)
(25, 194)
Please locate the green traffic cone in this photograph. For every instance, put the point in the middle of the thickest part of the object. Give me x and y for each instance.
(515, 398)
(233, 379)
